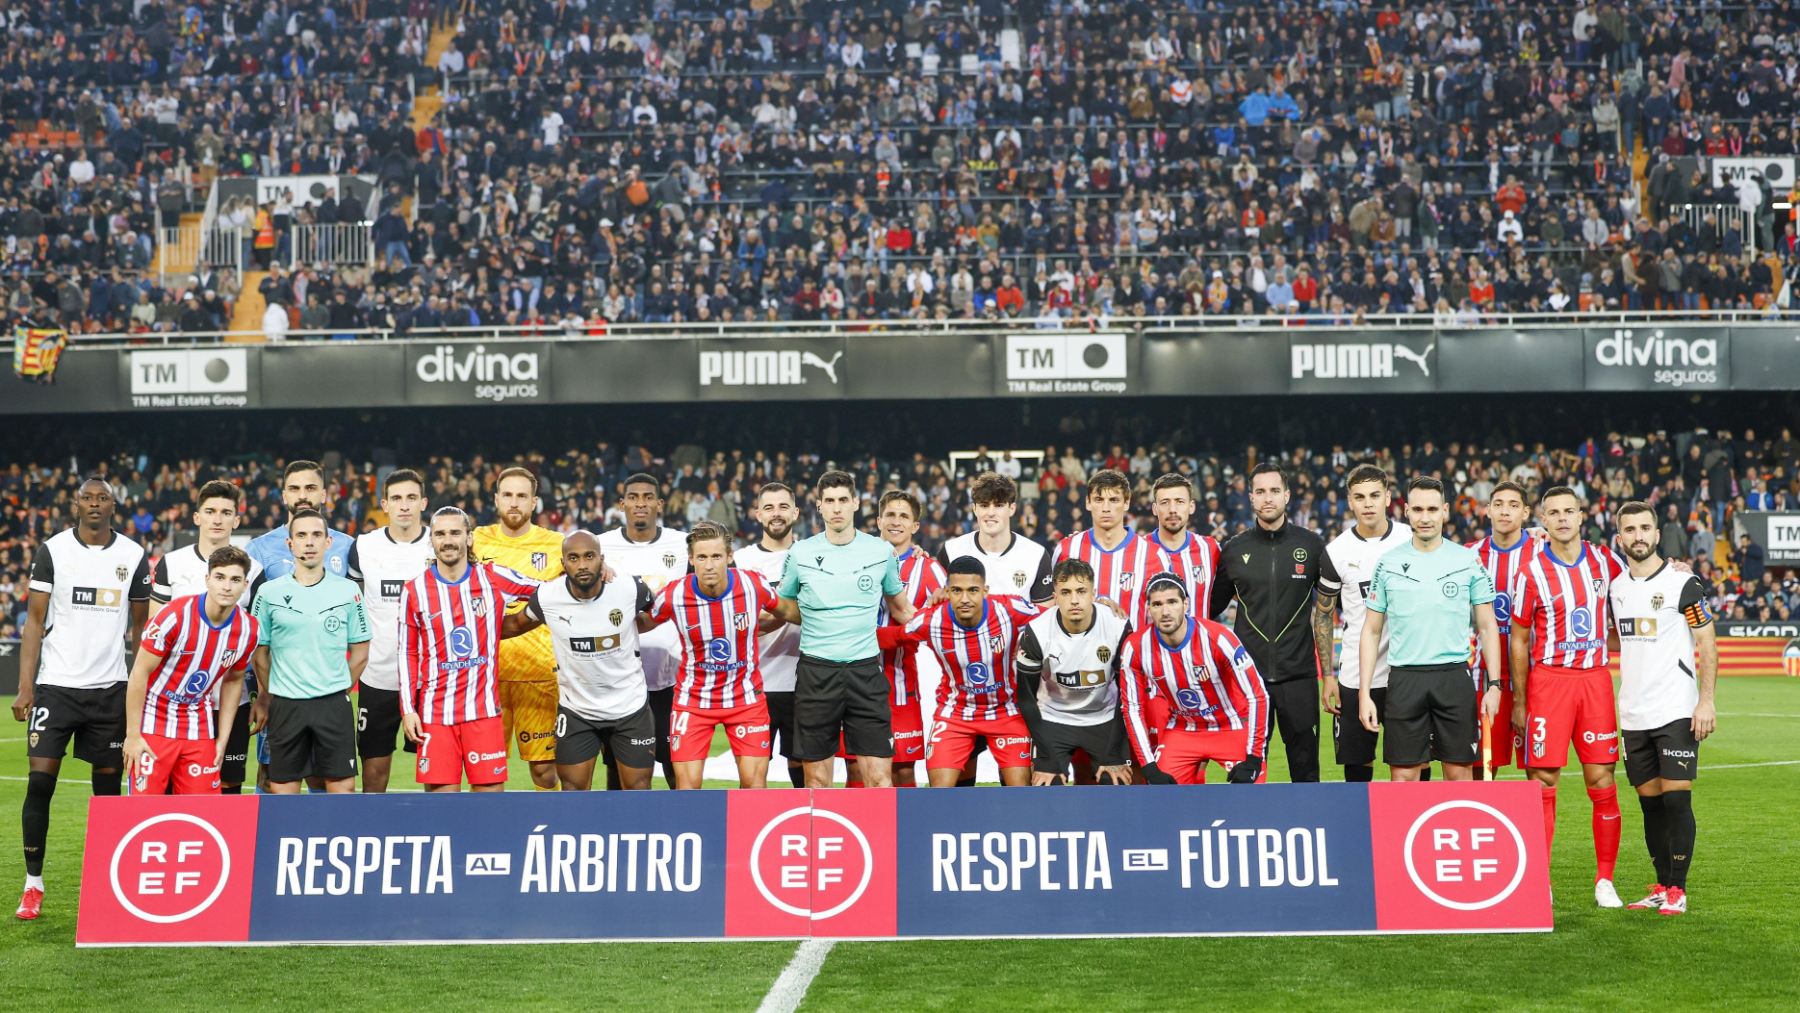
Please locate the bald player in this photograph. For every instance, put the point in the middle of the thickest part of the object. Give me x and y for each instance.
(526, 682)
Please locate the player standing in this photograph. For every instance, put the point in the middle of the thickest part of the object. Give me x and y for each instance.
(383, 562)
(1426, 599)
(173, 740)
(1192, 557)
(89, 592)
(451, 619)
(921, 576)
(1665, 706)
(602, 704)
(644, 549)
(1211, 716)
(526, 684)
(716, 612)
(1068, 664)
(1122, 559)
(1559, 656)
(780, 648)
(314, 644)
(1014, 564)
(1345, 575)
(183, 571)
(1503, 552)
(975, 637)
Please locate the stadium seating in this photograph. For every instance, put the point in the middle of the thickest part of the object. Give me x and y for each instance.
(665, 161)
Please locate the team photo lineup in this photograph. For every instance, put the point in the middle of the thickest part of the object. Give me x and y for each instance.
(1102, 658)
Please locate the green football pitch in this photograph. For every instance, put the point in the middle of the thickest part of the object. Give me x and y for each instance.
(1738, 948)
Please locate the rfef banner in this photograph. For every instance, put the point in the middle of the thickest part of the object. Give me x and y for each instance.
(794, 863)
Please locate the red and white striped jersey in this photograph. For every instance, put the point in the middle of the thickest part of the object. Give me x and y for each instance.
(1566, 605)
(721, 661)
(1119, 573)
(1207, 682)
(1505, 566)
(980, 676)
(195, 655)
(921, 576)
(1197, 564)
(450, 641)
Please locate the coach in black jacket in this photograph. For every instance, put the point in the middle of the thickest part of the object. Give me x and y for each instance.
(1271, 569)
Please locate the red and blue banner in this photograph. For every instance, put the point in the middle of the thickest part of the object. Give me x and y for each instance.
(795, 863)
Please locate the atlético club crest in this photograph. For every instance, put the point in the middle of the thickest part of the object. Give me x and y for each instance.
(540, 560)
(1125, 578)
(1596, 582)
(741, 620)
(616, 617)
(668, 559)
(479, 604)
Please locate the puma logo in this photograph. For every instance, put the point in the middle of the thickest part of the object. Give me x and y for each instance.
(1420, 359)
(830, 368)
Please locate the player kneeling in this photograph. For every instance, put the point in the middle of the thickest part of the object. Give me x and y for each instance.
(1217, 707)
(173, 743)
(1069, 666)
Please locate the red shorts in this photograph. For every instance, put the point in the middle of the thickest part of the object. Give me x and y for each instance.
(177, 767)
(477, 748)
(1183, 755)
(1503, 739)
(1564, 705)
(953, 740)
(691, 730)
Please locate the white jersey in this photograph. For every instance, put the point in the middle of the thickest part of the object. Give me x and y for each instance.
(91, 588)
(1656, 617)
(598, 672)
(384, 567)
(1348, 569)
(657, 562)
(781, 648)
(181, 572)
(1022, 570)
(1079, 682)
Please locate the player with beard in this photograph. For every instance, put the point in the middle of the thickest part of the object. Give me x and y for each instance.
(777, 513)
(1192, 556)
(526, 681)
(656, 555)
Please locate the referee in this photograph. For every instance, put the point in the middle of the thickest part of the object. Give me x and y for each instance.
(833, 584)
(1433, 591)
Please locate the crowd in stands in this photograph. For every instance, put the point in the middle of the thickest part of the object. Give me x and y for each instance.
(699, 160)
(1699, 481)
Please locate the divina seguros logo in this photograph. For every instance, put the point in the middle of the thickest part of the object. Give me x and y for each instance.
(497, 376)
(1672, 361)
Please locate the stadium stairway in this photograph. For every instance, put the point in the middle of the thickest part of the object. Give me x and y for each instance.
(248, 313)
(429, 99)
(175, 260)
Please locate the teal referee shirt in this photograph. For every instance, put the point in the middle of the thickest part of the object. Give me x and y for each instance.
(839, 589)
(1427, 598)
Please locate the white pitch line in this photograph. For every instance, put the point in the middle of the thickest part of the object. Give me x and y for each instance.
(1747, 714)
(1741, 766)
(789, 989)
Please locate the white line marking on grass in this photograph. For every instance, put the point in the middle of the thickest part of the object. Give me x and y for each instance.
(1745, 714)
(789, 989)
(1741, 766)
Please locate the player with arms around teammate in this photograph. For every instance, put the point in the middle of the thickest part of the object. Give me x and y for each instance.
(173, 741)
(89, 592)
(603, 706)
(1192, 557)
(1068, 665)
(975, 637)
(1427, 597)
(717, 612)
(1201, 698)
(780, 647)
(315, 642)
(1345, 575)
(656, 555)
(1665, 706)
(383, 562)
(1122, 559)
(451, 620)
(526, 683)
(1504, 552)
(1562, 688)
(182, 572)
(921, 576)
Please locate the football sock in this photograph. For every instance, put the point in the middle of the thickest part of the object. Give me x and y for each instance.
(107, 782)
(1607, 829)
(965, 782)
(35, 820)
(797, 776)
(1359, 773)
(1425, 774)
(1656, 835)
(34, 882)
(1678, 807)
(231, 789)
(1549, 815)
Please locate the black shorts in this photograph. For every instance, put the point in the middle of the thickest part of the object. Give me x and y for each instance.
(629, 741)
(1354, 744)
(310, 737)
(1431, 715)
(237, 747)
(781, 723)
(94, 718)
(1670, 752)
(661, 702)
(1054, 745)
(378, 723)
(847, 698)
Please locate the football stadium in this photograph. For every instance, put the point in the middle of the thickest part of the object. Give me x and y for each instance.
(671, 467)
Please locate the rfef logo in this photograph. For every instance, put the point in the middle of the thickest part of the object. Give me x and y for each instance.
(1449, 862)
(800, 866)
(175, 868)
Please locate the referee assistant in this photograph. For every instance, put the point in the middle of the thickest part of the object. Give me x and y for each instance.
(1430, 590)
(833, 585)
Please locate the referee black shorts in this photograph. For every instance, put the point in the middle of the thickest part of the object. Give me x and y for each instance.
(1431, 715)
(312, 736)
(850, 699)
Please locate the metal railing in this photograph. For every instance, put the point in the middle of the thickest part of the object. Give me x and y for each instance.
(347, 243)
(1727, 218)
(187, 248)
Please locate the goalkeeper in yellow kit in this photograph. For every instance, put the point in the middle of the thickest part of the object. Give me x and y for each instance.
(527, 673)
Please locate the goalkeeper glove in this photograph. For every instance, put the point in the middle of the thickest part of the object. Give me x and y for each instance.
(1154, 775)
(1245, 770)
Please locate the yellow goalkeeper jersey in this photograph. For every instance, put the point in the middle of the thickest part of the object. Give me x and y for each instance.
(536, 554)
